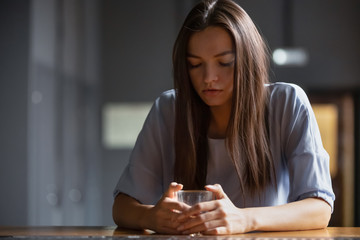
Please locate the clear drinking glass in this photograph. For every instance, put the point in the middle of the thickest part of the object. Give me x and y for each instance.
(192, 197)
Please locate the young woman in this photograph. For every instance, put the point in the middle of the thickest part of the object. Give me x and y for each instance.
(255, 145)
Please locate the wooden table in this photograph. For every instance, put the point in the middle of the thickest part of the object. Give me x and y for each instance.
(116, 233)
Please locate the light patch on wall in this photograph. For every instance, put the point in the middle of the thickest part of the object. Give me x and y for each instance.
(327, 118)
(122, 123)
(290, 57)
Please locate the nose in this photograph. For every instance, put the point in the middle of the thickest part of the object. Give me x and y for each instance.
(210, 74)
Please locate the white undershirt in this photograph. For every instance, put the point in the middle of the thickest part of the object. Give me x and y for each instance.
(221, 170)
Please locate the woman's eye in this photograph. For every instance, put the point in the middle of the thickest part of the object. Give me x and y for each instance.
(191, 66)
(226, 64)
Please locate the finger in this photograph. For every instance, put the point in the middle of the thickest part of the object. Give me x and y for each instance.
(207, 227)
(217, 189)
(171, 209)
(172, 205)
(167, 218)
(198, 209)
(216, 231)
(167, 230)
(208, 219)
(196, 229)
(173, 188)
(193, 224)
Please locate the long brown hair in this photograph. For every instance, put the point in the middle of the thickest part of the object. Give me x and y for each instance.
(247, 136)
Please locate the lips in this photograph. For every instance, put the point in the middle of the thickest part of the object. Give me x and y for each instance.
(211, 91)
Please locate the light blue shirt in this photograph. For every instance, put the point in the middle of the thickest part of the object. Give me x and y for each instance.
(301, 162)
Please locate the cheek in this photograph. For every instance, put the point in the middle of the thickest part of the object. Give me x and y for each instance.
(228, 77)
(229, 73)
(194, 79)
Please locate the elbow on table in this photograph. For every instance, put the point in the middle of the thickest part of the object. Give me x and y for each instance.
(327, 218)
(116, 213)
(323, 215)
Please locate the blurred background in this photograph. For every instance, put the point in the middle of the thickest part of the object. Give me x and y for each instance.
(77, 78)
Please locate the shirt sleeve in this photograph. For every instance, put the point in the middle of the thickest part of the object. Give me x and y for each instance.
(306, 158)
(143, 177)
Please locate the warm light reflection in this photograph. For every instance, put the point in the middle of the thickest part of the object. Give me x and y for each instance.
(327, 118)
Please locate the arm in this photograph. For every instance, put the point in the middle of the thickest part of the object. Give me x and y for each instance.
(148, 172)
(129, 213)
(222, 217)
(310, 213)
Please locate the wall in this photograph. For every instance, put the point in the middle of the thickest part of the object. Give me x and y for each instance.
(330, 32)
(327, 29)
(14, 37)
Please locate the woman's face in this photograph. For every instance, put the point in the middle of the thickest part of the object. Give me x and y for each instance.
(211, 59)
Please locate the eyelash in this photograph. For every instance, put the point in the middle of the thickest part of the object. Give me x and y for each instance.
(227, 64)
(191, 66)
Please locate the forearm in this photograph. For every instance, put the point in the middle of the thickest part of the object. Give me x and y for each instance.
(306, 214)
(129, 213)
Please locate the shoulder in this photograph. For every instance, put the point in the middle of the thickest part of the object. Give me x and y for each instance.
(163, 108)
(282, 89)
(167, 96)
(166, 101)
(286, 93)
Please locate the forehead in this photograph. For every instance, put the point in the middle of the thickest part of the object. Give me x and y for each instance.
(211, 40)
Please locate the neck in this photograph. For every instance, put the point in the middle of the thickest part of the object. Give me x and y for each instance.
(219, 122)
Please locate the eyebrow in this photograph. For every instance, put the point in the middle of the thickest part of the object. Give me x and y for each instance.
(217, 55)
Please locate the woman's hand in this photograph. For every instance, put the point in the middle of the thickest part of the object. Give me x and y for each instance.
(222, 217)
(162, 218)
(215, 217)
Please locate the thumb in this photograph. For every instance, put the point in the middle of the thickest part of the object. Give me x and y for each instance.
(173, 188)
(217, 189)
